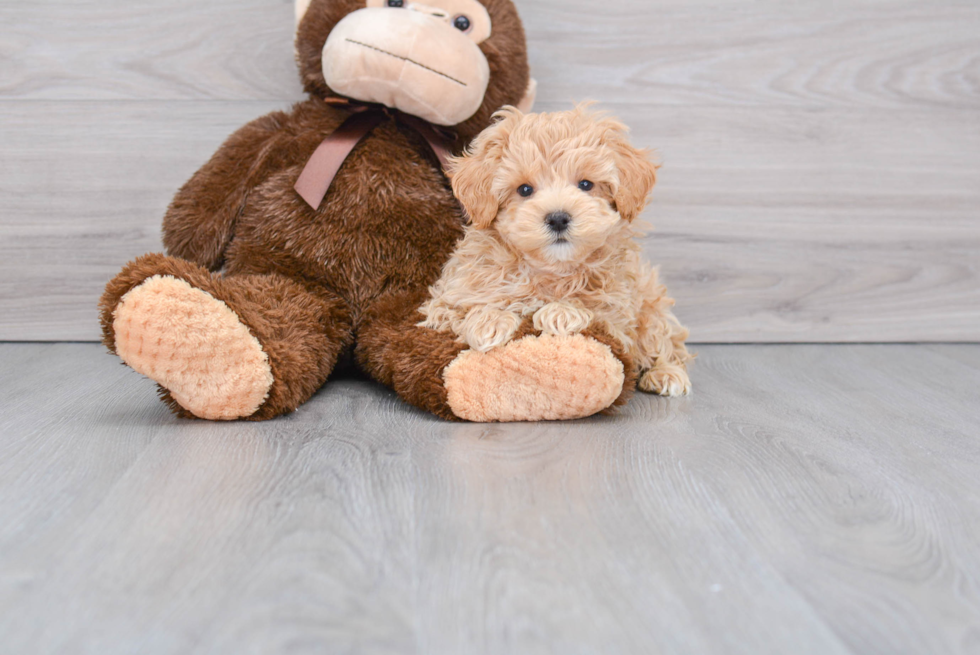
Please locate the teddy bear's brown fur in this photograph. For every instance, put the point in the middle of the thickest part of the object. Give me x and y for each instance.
(312, 284)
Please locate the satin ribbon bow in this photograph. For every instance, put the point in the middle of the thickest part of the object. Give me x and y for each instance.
(330, 155)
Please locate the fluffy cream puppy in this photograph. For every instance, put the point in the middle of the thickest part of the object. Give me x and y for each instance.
(552, 200)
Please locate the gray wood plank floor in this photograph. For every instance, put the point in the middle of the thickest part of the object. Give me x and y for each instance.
(806, 499)
(822, 160)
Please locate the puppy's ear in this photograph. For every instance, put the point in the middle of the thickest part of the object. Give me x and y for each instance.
(637, 174)
(472, 175)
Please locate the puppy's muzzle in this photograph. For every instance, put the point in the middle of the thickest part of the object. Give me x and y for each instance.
(558, 222)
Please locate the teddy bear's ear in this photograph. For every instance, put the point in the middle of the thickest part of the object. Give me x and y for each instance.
(637, 174)
(526, 104)
(301, 7)
(473, 174)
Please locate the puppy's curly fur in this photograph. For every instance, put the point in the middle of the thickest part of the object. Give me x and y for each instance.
(552, 201)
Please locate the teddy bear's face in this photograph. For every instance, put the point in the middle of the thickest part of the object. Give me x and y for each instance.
(424, 60)
(450, 62)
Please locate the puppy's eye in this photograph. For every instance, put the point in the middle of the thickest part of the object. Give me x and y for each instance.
(585, 185)
(525, 190)
(396, 3)
(462, 23)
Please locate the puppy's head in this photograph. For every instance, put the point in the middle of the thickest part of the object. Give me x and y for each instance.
(554, 186)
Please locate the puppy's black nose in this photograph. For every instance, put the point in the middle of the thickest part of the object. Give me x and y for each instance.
(558, 221)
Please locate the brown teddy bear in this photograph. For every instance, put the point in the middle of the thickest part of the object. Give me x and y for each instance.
(316, 233)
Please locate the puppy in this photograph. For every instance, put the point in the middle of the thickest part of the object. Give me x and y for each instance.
(552, 200)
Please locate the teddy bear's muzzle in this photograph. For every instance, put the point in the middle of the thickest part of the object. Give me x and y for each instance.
(408, 61)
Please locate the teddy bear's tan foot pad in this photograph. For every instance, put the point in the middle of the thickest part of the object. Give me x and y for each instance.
(193, 345)
(544, 378)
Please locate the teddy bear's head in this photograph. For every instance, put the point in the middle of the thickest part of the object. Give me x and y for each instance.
(450, 62)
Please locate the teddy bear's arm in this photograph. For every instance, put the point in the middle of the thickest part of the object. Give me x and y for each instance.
(200, 221)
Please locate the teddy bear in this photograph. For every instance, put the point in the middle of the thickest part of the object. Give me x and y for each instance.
(315, 234)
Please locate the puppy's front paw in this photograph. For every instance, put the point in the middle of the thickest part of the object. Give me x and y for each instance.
(485, 328)
(562, 319)
(666, 380)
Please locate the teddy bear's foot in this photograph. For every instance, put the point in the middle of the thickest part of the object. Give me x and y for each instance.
(537, 378)
(194, 346)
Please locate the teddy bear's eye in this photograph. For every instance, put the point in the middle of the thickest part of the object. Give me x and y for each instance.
(462, 23)
(525, 190)
(585, 185)
(396, 3)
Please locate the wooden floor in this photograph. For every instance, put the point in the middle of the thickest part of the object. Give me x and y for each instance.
(806, 499)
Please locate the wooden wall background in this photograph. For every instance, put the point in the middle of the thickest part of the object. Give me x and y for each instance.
(822, 159)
